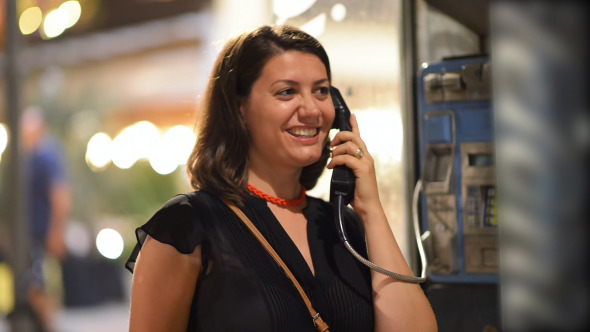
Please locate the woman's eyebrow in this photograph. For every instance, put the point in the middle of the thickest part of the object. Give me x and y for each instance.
(291, 82)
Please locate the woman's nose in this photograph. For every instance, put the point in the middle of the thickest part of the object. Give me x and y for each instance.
(309, 107)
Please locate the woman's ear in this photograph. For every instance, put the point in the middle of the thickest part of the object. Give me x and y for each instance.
(242, 110)
(243, 105)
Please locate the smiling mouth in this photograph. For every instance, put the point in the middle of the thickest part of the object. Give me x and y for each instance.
(303, 132)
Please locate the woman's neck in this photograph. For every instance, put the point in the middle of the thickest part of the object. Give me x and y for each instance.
(283, 184)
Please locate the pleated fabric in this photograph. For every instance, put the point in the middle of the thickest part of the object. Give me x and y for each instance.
(244, 289)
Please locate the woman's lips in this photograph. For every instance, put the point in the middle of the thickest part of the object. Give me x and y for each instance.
(303, 132)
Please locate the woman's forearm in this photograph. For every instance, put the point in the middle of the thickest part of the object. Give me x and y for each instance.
(398, 305)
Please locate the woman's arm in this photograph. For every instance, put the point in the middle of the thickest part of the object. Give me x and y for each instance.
(163, 286)
(398, 305)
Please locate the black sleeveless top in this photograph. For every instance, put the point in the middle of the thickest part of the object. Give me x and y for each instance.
(244, 289)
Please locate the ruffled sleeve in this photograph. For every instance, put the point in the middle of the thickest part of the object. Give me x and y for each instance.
(174, 224)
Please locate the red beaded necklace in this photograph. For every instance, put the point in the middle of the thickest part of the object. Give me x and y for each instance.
(276, 200)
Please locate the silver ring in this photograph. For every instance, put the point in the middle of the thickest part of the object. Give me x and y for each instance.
(359, 153)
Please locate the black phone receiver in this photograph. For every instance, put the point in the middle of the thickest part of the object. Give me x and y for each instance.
(342, 118)
(342, 191)
(343, 179)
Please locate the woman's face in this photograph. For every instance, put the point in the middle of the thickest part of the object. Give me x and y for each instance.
(289, 111)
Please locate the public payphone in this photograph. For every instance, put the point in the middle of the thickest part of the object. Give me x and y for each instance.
(457, 201)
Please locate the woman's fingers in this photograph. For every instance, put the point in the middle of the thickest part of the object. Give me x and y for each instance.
(348, 148)
(347, 139)
(354, 124)
(348, 143)
(345, 136)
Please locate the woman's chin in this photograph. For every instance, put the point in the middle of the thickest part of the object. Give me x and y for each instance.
(311, 159)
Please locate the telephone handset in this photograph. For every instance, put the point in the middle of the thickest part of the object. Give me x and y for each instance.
(343, 179)
(342, 187)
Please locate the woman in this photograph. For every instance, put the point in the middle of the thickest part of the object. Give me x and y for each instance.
(263, 141)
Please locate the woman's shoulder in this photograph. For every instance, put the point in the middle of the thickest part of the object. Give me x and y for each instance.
(184, 204)
(178, 221)
(179, 201)
(177, 208)
(175, 223)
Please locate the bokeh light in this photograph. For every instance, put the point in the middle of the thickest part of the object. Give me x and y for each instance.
(109, 243)
(182, 140)
(133, 143)
(122, 144)
(99, 151)
(142, 141)
(30, 20)
(146, 135)
(55, 23)
(6, 289)
(3, 138)
(338, 12)
(173, 150)
(61, 18)
(163, 160)
(73, 10)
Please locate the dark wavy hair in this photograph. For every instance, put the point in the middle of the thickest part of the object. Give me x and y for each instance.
(219, 161)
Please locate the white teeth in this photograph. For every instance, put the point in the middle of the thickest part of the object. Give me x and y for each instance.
(303, 132)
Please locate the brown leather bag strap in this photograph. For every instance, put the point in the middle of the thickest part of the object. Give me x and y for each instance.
(320, 325)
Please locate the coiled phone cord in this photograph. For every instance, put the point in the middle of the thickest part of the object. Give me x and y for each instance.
(340, 207)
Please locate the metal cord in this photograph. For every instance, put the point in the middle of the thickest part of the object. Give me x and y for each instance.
(370, 264)
(419, 238)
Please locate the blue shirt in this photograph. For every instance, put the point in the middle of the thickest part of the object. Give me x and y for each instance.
(44, 169)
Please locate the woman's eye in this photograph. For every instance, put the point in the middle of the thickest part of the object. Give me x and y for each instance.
(286, 92)
(323, 91)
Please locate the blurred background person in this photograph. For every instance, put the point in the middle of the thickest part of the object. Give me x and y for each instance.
(48, 202)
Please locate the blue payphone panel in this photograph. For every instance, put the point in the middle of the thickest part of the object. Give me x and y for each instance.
(458, 187)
